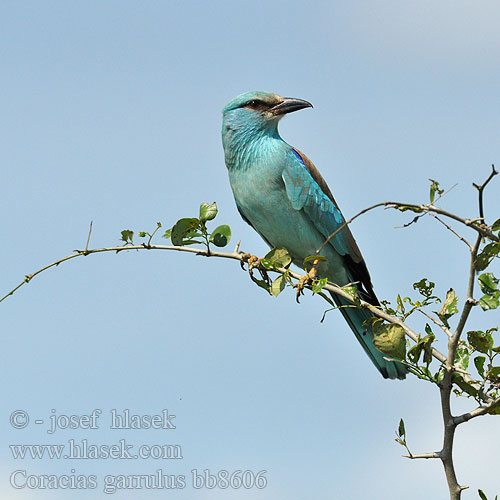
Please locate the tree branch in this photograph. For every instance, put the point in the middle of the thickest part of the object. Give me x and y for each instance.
(459, 236)
(450, 422)
(435, 321)
(472, 223)
(435, 454)
(481, 189)
(479, 411)
(84, 253)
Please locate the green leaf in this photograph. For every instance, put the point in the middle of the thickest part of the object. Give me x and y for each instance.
(424, 286)
(479, 363)
(263, 284)
(208, 211)
(435, 189)
(491, 301)
(493, 374)
(401, 429)
(181, 228)
(415, 352)
(167, 234)
(427, 343)
(142, 234)
(389, 339)
(276, 258)
(401, 307)
(465, 386)
(482, 495)
(404, 208)
(488, 283)
(423, 345)
(193, 234)
(191, 242)
(481, 341)
(353, 293)
(488, 253)
(221, 236)
(318, 285)
(449, 306)
(127, 237)
(496, 225)
(495, 410)
(278, 285)
(462, 357)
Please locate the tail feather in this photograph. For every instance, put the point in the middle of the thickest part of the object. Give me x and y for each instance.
(355, 318)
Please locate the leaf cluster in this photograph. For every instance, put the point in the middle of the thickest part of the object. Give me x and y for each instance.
(188, 231)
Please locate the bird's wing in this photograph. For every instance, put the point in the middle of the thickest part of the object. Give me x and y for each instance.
(308, 191)
(252, 226)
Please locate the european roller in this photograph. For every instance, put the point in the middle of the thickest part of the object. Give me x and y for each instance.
(282, 195)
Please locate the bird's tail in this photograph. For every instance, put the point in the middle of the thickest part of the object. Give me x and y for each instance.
(355, 317)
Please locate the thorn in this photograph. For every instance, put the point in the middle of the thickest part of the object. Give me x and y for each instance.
(237, 247)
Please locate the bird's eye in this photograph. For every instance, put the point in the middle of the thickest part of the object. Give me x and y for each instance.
(256, 104)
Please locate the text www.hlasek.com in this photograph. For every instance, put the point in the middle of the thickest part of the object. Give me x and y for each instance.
(222, 479)
(84, 450)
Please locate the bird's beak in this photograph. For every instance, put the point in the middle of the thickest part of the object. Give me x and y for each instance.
(289, 104)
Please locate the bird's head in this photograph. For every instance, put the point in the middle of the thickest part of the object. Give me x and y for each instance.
(257, 113)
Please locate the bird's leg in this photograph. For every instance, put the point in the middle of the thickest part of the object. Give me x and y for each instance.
(307, 279)
(251, 260)
(254, 263)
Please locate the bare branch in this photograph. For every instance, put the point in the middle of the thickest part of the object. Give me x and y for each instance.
(435, 454)
(461, 238)
(481, 189)
(88, 238)
(479, 411)
(436, 322)
(80, 253)
(481, 229)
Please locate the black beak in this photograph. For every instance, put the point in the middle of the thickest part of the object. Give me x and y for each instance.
(289, 104)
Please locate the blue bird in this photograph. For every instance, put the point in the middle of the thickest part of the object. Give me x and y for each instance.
(282, 195)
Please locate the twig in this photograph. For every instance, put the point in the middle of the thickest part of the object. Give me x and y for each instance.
(88, 238)
(461, 238)
(481, 189)
(472, 223)
(79, 253)
(435, 454)
(480, 410)
(436, 322)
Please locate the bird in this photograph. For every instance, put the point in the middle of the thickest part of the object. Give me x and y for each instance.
(284, 198)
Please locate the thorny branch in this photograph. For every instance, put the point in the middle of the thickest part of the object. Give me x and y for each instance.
(450, 422)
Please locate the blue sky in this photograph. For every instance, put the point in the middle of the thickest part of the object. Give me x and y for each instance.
(111, 113)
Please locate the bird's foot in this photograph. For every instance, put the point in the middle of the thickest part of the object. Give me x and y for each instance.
(254, 263)
(251, 260)
(304, 281)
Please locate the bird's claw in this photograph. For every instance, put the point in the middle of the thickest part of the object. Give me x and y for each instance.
(305, 280)
(254, 263)
(251, 260)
